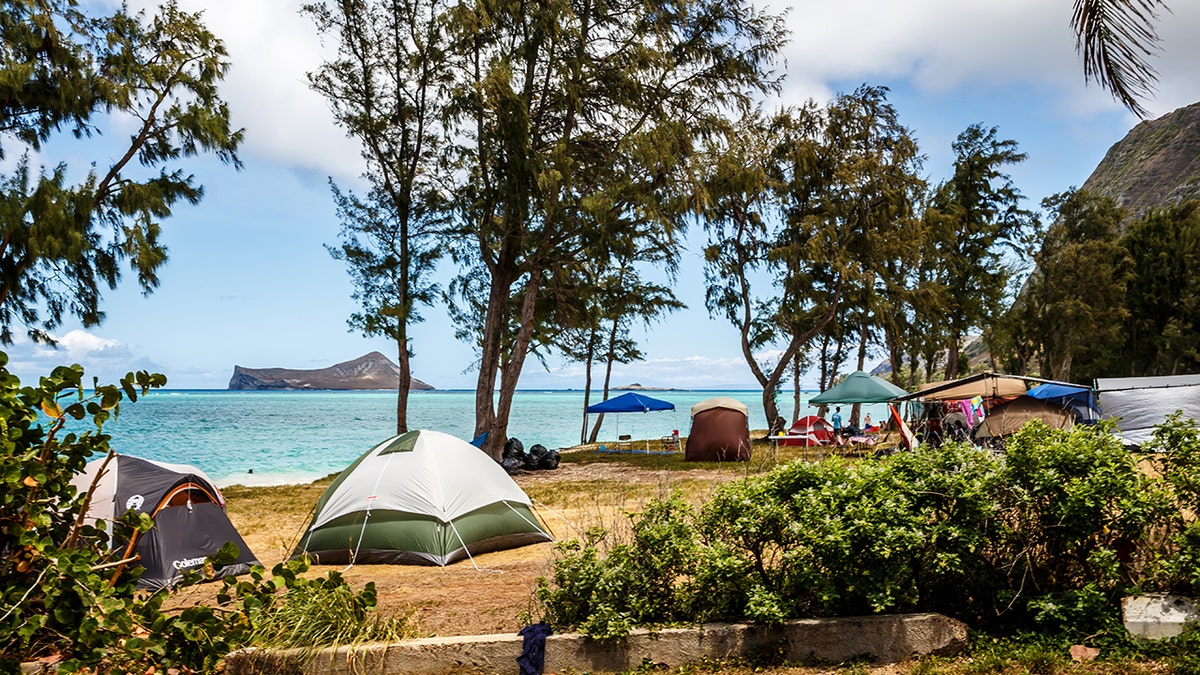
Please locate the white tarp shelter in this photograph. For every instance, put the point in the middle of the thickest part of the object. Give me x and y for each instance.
(1139, 403)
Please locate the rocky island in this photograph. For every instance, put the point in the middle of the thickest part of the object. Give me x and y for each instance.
(371, 371)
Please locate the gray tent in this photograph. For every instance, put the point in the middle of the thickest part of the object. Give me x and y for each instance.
(1139, 403)
(188, 511)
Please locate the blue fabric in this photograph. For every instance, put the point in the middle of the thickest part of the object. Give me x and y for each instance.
(630, 402)
(479, 440)
(533, 650)
(1081, 400)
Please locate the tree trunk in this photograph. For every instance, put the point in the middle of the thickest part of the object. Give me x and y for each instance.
(856, 409)
(510, 372)
(587, 387)
(796, 391)
(609, 356)
(405, 383)
(489, 366)
(952, 358)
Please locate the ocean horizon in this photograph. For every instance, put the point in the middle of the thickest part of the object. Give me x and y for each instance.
(293, 437)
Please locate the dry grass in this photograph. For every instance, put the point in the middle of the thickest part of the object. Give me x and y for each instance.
(588, 489)
(488, 596)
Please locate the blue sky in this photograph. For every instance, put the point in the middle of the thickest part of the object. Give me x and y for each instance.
(250, 283)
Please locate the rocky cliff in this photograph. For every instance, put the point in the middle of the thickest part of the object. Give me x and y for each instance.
(372, 371)
(1157, 163)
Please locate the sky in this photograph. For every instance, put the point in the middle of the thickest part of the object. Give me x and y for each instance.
(249, 281)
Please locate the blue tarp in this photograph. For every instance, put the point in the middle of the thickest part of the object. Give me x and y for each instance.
(630, 402)
(1082, 400)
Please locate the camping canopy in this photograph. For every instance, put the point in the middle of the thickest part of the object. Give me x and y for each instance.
(630, 402)
(1139, 403)
(424, 498)
(859, 387)
(188, 511)
(986, 385)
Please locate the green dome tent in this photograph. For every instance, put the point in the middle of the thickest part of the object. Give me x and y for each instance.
(421, 498)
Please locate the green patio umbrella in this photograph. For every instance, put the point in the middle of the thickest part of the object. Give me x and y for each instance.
(859, 387)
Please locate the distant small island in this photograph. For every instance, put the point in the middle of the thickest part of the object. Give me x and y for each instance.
(370, 371)
(637, 387)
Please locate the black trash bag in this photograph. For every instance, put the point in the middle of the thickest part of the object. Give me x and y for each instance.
(511, 465)
(514, 448)
(532, 460)
(549, 460)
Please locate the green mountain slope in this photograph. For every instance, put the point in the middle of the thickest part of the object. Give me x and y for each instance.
(1156, 164)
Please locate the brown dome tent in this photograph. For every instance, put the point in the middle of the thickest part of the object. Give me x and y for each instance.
(720, 431)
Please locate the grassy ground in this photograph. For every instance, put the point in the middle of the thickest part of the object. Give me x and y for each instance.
(589, 488)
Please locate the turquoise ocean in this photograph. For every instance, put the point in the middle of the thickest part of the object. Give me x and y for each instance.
(275, 437)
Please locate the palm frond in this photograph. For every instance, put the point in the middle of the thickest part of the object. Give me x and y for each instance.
(1117, 39)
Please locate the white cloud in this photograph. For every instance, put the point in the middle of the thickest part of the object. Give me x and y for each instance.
(101, 357)
(271, 49)
(937, 45)
(81, 346)
(943, 45)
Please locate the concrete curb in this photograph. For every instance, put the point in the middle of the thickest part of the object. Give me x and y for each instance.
(883, 639)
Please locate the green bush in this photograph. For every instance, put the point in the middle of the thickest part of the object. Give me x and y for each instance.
(61, 600)
(1047, 537)
(643, 582)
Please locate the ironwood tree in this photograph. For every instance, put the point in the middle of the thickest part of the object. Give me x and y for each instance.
(606, 306)
(578, 119)
(67, 231)
(388, 87)
(980, 233)
(1070, 317)
(1163, 293)
(802, 212)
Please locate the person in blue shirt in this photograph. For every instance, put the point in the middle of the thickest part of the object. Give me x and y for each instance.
(837, 421)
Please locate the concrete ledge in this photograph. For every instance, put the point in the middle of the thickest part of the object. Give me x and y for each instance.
(883, 639)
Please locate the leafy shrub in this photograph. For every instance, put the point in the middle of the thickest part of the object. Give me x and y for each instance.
(639, 583)
(1047, 537)
(60, 600)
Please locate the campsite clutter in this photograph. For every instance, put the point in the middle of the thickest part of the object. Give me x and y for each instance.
(423, 498)
(188, 510)
(539, 458)
(808, 431)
